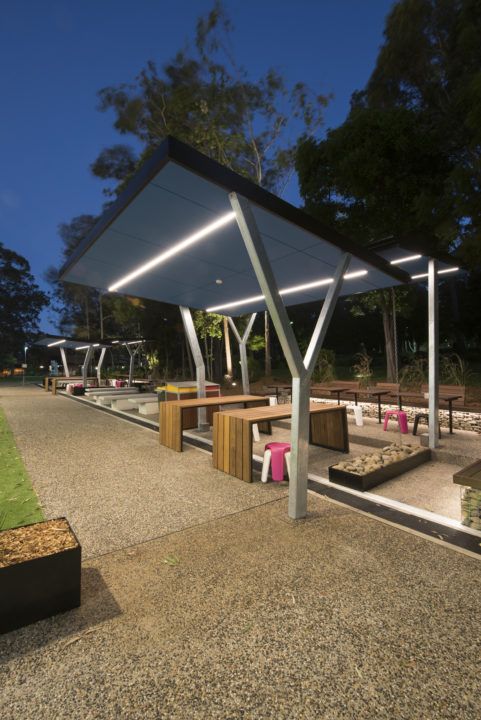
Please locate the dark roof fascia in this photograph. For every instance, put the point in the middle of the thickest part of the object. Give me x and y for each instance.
(230, 181)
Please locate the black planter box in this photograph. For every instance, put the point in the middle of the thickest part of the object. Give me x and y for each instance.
(38, 588)
(376, 477)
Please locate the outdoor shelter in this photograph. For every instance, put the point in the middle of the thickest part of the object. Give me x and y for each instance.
(424, 267)
(191, 232)
(63, 344)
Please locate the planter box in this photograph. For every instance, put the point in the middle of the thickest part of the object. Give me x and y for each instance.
(46, 584)
(376, 477)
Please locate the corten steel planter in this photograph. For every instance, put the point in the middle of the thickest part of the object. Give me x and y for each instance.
(376, 477)
(40, 587)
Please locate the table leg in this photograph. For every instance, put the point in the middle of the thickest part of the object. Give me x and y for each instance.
(355, 398)
(379, 409)
(450, 406)
(338, 397)
(400, 403)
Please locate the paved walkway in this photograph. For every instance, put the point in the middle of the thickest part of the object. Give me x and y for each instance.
(336, 617)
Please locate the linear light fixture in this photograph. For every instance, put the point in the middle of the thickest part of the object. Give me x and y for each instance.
(114, 342)
(287, 291)
(57, 342)
(174, 250)
(408, 258)
(440, 272)
(82, 347)
(134, 342)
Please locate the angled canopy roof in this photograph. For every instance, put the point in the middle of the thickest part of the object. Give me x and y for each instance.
(59, 341)
(176, 216)
(409, 254)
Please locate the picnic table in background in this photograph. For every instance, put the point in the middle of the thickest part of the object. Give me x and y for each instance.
(420, 397)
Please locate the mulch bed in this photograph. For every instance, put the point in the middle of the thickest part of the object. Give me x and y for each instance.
(32, 541)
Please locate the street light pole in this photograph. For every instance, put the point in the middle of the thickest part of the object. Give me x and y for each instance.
(24, 362)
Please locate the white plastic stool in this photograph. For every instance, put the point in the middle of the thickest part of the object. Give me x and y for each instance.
(267, 463)
(272, 400)
(255, 433)
(357, 410)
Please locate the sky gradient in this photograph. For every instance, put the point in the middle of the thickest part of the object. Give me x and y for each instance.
(56, 54)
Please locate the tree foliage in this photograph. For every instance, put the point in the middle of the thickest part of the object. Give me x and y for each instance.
(205, 99)
(21, 302)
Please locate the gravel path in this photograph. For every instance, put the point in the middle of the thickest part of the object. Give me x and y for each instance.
(111, 479)
(244, 615)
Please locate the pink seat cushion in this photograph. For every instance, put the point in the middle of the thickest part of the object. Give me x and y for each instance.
(278, 450)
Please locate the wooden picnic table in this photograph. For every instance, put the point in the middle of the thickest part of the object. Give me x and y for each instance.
(370, 392)
(171, 414)
(232, 435)
(336, 389)
(417, 396)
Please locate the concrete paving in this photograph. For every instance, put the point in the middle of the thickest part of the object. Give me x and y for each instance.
(236, 612)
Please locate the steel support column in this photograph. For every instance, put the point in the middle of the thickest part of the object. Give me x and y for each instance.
(193, 341)
(99, 365)
(243, 350)
(132, 354)
(301, 368)
(85, 367)
(63, 355)
(433, 345)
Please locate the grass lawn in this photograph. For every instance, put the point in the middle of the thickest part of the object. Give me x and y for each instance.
(18, 501)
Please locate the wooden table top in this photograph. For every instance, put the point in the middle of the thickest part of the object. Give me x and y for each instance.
(412, 394)
(277, 412)
(215, 400)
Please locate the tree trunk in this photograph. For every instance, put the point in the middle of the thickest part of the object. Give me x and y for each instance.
(267, 340)
(228, 353)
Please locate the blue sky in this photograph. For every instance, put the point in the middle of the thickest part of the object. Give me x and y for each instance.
(56, 54)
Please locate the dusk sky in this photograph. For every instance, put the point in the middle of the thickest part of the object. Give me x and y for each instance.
(56, 55)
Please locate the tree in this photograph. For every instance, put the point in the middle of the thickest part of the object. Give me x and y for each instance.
(209, 328)
(406, 160)
(430, 64)
(205, 99)
(21, 302)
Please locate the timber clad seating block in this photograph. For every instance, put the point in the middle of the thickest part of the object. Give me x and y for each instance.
(171, 416)
(232, 435)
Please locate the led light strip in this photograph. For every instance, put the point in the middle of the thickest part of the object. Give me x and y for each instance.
(287, 291)
(57, 342)
(174, 250)
(408, 258)
(440, 272)
(82, 347)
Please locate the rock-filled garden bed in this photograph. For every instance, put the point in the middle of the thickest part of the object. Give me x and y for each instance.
(371, 469)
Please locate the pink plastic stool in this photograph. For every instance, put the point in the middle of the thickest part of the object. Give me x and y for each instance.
(277, 452)
(401, 418)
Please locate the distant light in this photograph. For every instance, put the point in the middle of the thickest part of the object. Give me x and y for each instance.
(95, 344)
(219, 281)
(174, 250)
(287, 291)
(57, 342)
(408, 258)
(41, 367)
(114, 342)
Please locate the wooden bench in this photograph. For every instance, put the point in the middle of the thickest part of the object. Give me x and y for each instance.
(232, 436)
(58, 382)
(128, 401)
(171, 414)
